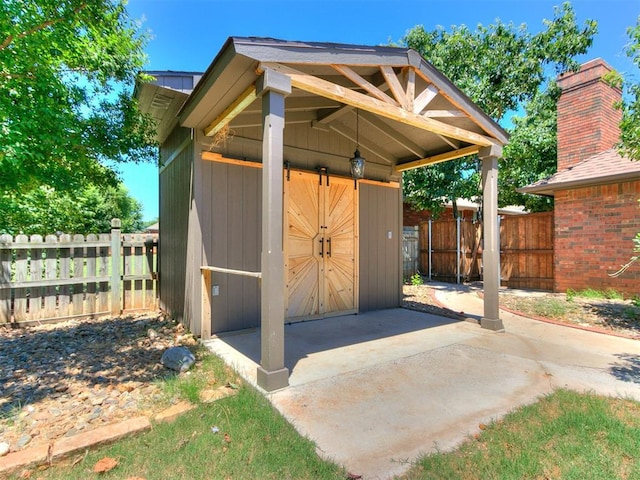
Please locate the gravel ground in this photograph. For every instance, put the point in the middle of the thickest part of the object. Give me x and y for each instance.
(61, 379)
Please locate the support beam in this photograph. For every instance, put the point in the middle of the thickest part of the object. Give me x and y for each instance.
(409, 77)
(364, 84)
(324, 88)
(271, 375)
(424, 99)
(395, 86)
(491, 249)
(245, 99)
(390, 133)
(443, 157)
(356, 138)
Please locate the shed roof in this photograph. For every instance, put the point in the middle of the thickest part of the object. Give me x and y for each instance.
(410, 113)
(603, 168)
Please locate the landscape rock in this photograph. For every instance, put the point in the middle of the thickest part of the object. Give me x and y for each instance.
(4, 449)
(108, 376)
(179, 359)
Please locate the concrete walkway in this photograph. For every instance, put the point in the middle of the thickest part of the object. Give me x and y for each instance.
(376, 390)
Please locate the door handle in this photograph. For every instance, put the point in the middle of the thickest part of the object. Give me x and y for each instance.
(321, 247)
(328, 247)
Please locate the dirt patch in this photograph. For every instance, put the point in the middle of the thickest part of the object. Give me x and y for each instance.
(615, 316)
(609, 315)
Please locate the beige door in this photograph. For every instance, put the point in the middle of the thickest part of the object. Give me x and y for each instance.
(320, 245)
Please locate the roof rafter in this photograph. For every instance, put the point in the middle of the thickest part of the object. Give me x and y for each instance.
(395, 86)
(245, 99)
(365, 84)
(327, 89)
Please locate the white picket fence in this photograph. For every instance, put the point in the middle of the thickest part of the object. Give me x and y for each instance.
(62, 277)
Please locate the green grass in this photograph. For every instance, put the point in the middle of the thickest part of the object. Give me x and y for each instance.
(565, 435)
(548, 307)
(262, 446)
(254, 441)
(609, 294)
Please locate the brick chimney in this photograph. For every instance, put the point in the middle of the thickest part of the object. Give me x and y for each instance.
(588, 123)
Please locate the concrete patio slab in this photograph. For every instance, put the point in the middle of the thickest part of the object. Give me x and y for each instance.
(376, 390)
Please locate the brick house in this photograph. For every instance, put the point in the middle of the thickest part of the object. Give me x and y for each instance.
(596, 190)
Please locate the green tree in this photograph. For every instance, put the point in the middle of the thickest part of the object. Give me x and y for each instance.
(630, 126)
(65, 70)
(43, 210)
(629, 145)
(502, 68)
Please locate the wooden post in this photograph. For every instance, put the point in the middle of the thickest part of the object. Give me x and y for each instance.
(5, 278)
(272, 374)
(205, 319)
(491, 251)
(116, 261)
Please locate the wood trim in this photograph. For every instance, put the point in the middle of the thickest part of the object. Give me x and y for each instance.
(443, 157)
(380, 184)
(185, 143)
(365, 84)
(327, 89)
(245, 99)
(218, 157)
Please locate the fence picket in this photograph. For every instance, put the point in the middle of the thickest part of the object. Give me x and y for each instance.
(78, 272)
(103, 271)
(50, 264)
(64, 264)
(5, 278)
(149, 291)
(90, 255)
(21, 294)
(35, 293)
(138, 293)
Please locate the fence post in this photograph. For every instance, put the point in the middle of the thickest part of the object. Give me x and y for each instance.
(116, 263)
(458, 250)
(430, 266)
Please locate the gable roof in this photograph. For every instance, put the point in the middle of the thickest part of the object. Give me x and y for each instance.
(603, 168)
(410, 113)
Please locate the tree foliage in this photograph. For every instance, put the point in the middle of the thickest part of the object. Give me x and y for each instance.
(65, 66)
(502, 68)
(44, 210)
(630, 126)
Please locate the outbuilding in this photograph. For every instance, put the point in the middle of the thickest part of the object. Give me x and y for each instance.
(280, 182)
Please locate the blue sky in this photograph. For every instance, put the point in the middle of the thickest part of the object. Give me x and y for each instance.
(187, 34)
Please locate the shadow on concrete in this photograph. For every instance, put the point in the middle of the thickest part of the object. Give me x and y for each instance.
(305, 338)
(628, 370)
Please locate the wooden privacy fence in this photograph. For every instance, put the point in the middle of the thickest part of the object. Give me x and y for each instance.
(451, 250)
(67, 276)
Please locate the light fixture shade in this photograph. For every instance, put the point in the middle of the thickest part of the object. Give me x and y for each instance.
(357, 165)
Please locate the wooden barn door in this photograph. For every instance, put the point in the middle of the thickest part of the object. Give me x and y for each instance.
(320, 246)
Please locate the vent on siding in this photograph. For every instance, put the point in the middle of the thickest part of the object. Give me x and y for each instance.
(161, 101)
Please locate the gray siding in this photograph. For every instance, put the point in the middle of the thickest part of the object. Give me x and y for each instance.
(380, 266)
(232, 239)
(175, 188)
